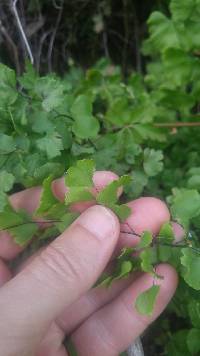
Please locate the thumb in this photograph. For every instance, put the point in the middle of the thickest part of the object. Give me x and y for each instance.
(63, 271)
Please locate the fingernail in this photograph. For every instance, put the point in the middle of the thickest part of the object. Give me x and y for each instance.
(99, 221)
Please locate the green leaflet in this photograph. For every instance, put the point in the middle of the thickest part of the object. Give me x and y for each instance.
(24, 233)
(148, 259)
(146, 240)
(19, 224)
(190, 260)
(85, 124)
(122, 211)
(193, 341)
(8, 93)
(81, 175)
(3, 201)
(51, 144)
(77, 194)
(194, 312)
(163, 32)
(145, 302)
(6, 181)
(185, 205)
(47, 199)
(7, 144)
(51, 92)
(79, 180)
(166, 233)
(152, 162)
(109, 197)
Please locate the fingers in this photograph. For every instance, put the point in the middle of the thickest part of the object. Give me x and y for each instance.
(111, 329)
(148, 214)
(78, 312)
(28, 199)
(5, 273)
(63, 272)
(51, 344)
(178, 232)
(150, 218)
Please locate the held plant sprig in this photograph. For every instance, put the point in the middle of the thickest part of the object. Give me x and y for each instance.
(55, 216)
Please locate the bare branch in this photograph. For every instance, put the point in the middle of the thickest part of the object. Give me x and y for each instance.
(12, 46)
(14, 8)
(49, 56)
(39, 52)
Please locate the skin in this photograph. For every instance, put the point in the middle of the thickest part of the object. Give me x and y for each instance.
(50, 296)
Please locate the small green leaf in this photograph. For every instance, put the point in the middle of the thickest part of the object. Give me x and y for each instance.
(7, 144)
(51, 144)
(109, 195)
(6, 181)
(78, 194)
(194, 312)
(3, 201)
(124, 270)
(122, 211)
(152, 162)
(166, 233)
(81, 175)
(193, 341)
(146, 240)
(19, 224)
(191, 261)
(145, 302)
(85, 124)
(164, 253)
(23, 233)
(185, 205)
(47, 199)
(148, 258)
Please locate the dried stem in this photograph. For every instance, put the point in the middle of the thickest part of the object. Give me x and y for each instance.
(49, 56)
(12, 46)
(177, 124)
(20, 27)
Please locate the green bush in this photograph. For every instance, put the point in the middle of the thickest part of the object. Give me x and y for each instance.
(146, 126)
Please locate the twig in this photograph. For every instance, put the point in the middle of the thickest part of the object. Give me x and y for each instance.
(49, 55)
(42, 40)
(159, 125)
(12, 45)
(137, 42)
(14, 7)
(31, 222)
(177, 124)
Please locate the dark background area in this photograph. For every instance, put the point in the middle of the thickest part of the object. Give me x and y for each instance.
(60, 31)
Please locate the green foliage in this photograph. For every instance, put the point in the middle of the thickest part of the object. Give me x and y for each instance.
(145, 301)
(191, 261)
(109, 197)
(18, 223)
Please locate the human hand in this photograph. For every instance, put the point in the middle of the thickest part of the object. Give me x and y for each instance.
(50, 296)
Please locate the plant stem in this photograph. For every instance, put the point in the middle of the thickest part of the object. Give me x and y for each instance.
(177, 124)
